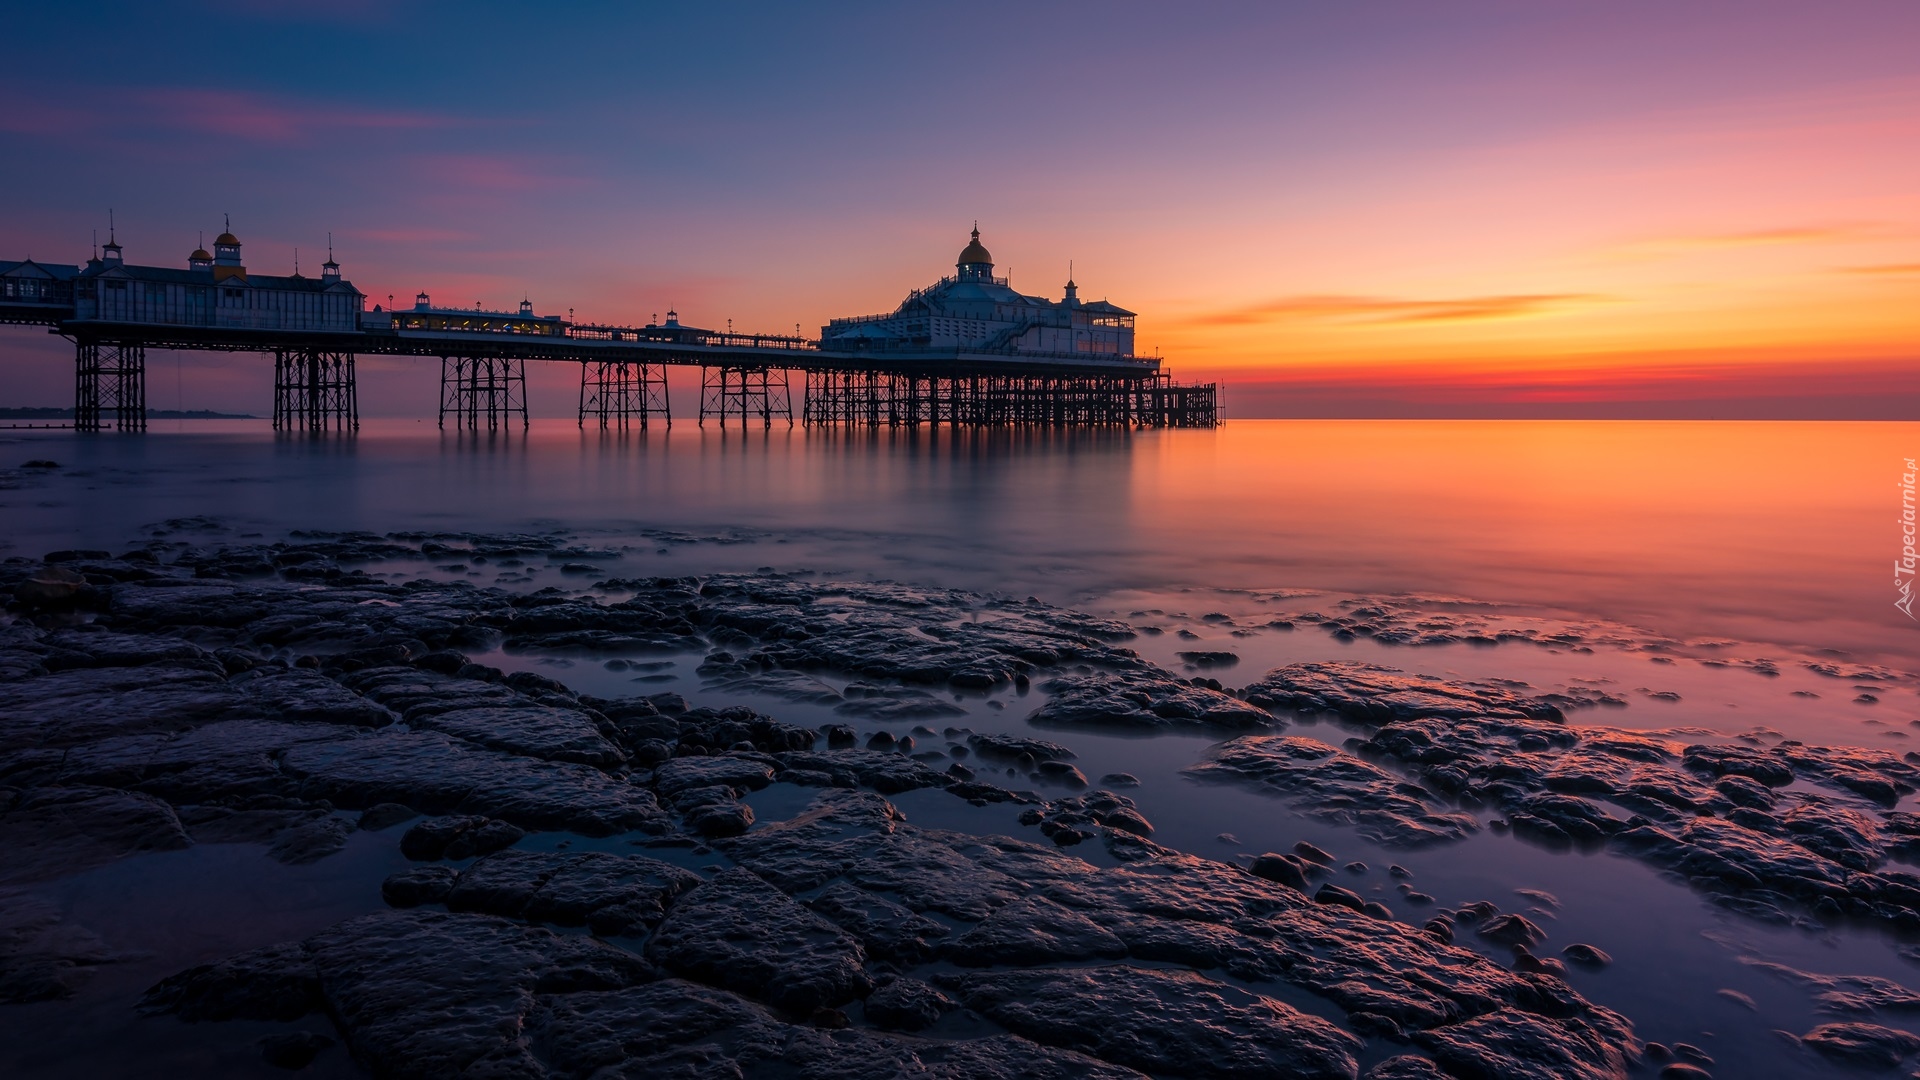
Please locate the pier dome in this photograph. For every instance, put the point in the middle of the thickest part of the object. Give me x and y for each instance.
(976, 262)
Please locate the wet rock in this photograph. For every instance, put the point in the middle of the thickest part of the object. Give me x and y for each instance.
(1280, 869)
(1681, 1070)
(294, 1050)
(43, 955)
(1511, 930)
(714, 812)
(83, 706)
(895, 703)
(1096, 811)
(665, 1028)
(437, 774)
(460, 837)
(1334, 894)
(311, 841)
(1162, 1022)
(739, 933)
(862, 837)
(1847, 993)
(1033, 931)
(1405, 1067)
(1330, 785)
(1514, 1045)
(611, 894)
(887, 930)
(385, 816)
(58, 831)
(1588, 956)
(1010, 747)
(735, 771)
(1754, 765)
(1369, 692)
(1312, 853)
(1863, 1046)
(1204, 658)
(1119, 780)
(887, 773)
(50, 587)
(418, 885)
(471, 974)
(529, 730)
(277, 982)
(908, 1005)
(1143, 700)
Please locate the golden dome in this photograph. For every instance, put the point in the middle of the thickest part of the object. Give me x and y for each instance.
(225, 239)
(974, 252)
(199, 255)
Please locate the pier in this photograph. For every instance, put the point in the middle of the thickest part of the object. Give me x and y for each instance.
(917, 366)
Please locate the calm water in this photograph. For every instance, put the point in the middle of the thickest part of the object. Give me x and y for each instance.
(1773, 532)
(1728, 541)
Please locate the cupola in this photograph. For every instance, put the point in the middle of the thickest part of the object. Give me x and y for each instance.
(976, 263)
(226, 255)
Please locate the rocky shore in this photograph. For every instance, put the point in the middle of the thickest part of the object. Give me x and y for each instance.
(591, 891)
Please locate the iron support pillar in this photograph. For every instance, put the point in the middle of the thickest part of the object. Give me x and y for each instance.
(474, 389)
(314, 390)
(617, 393)
(746, 392)
(110, 386)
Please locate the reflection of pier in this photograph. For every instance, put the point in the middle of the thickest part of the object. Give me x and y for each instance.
(965, 352)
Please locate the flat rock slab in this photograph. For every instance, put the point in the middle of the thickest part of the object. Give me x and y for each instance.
(1163, 1022)
(73, 708)
(56, 832)
(723, 770)
(1515, 1045)
(887, 930)
(611, 894)
(435, 773)
(1370, 692)
(531, 730)
(679, 1028)
(418, 994)
(742, 934)
(1331, 785)
(1150, 700)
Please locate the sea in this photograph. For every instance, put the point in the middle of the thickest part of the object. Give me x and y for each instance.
(1714, 579)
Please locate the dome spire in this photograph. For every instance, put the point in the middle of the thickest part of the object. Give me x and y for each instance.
(975, 263)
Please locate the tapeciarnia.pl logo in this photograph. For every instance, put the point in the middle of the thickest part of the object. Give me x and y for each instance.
(1903, 567)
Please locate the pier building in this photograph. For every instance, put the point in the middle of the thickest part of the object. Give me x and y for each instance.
(974, 311)
(214, 290)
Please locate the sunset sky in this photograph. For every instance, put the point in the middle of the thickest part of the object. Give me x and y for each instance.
(1379, 209)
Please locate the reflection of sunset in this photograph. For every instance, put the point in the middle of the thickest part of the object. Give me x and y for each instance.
(1727, 529)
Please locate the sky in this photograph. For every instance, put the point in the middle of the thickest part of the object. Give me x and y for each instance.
(1469, 209)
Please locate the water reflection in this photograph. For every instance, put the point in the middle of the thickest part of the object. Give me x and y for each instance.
(1766, 531)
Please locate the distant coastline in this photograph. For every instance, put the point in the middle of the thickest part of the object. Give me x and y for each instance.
(35, 413)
